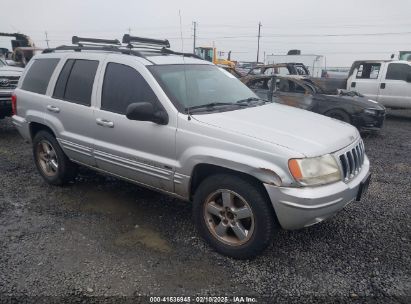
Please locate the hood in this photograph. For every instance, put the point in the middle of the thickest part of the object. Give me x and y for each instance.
(10, 71)
(302, 131)
(356, 100)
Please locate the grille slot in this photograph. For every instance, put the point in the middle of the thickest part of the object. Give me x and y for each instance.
(351, 161)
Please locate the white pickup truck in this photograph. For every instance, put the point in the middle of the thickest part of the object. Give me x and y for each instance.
(388, 82)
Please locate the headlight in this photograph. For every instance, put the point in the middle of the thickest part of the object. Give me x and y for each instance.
(370, 111)
(315, 171)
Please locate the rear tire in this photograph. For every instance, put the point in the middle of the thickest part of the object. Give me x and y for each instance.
(51, 162)
(234, 215)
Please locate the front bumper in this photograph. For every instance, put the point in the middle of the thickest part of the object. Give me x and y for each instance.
(5, 103)
(302, 207)
(367, 122)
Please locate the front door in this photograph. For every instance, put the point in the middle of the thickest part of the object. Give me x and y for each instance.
(395, 91)
(141, 151)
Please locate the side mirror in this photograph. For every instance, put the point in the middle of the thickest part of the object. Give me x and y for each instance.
(144, 111)
(408, 79)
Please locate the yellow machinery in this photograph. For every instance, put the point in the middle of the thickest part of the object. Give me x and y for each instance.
(210, 54)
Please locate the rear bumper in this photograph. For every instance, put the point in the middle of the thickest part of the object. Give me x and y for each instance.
(22, 126)
(302, 207)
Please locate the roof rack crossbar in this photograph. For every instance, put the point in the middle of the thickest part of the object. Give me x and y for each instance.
(132, 40)
(171, 52)
(79, 40)
(108, 48)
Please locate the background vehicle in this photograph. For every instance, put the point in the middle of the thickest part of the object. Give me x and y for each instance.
(388, 82)
(9, 77)
(210, 54)
(291, 68)
(302, 93)
(22, 49)
(185, 127)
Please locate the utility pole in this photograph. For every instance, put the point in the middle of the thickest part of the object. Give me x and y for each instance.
(195, 36)
(258, 41)
(47, 39)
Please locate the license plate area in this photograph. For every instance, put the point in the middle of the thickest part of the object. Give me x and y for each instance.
(363, 189)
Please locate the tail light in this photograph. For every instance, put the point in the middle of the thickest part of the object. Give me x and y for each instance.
(14, 104)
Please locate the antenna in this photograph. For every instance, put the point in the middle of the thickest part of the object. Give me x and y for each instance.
(181, 31)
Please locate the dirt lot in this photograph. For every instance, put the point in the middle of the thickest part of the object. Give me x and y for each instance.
(106, 238)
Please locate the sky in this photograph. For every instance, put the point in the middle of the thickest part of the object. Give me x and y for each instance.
(342, 31)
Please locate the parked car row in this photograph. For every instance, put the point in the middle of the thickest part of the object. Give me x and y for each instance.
(303, 93)
(9, 77)
(177, 124)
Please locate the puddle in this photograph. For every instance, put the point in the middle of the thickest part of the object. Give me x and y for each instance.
(107, 202)
(143, 236)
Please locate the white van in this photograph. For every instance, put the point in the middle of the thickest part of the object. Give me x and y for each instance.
(388, 82)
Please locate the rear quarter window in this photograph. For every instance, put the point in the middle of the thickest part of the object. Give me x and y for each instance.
(38, 75)
(398, 71)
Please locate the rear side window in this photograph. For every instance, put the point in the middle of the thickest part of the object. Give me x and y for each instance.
(38, 75)
(398, 71)
(75, 82)
(122, 86)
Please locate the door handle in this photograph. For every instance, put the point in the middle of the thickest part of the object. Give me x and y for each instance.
(105, 123)
(382, 85)
(53, 109)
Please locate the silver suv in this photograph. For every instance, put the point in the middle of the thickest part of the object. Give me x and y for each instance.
(183, 126)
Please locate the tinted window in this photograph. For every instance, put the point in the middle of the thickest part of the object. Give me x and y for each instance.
(80, 82)
(122, 86)
(398, 71)
(60, 88)
(38, 75)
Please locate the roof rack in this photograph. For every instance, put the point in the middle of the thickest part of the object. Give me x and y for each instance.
(94, 41)
(145, 42)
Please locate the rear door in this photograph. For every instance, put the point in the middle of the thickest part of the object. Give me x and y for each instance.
(141, 151)
(366, 79)
(69, 109)
(395, 91)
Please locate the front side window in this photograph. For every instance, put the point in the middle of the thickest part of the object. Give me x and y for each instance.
(122, 86)
(75, 82)
(398, 71)
(368, 71)
(39, 74)
(192, 85)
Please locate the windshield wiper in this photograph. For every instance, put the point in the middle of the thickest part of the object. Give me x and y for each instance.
(248, 101)
(209, 106)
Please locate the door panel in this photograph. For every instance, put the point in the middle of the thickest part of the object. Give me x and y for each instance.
(395, 91)
(141, 151)
(70, 111)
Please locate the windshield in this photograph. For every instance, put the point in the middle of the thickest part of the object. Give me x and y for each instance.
(195, 85)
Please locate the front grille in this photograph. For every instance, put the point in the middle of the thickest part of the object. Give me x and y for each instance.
(8, 82)
(352, 160)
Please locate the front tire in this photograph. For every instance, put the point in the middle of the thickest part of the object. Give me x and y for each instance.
(234, 215)
(340, 115)
(51, 162)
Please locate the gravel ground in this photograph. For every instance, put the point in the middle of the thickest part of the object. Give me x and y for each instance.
(102, 239)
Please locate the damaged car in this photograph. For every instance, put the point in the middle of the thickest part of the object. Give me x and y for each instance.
(301, 92)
